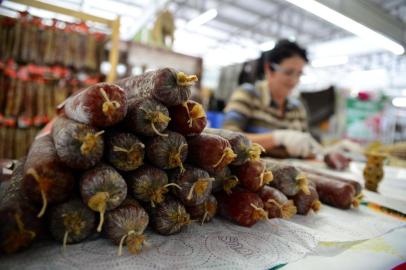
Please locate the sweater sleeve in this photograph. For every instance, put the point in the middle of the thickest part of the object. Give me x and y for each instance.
(238, 111)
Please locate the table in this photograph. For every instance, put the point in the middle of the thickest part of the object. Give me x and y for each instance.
(350, 239)
(384, 252)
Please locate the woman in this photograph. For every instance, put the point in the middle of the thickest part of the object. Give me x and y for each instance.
(266, 112)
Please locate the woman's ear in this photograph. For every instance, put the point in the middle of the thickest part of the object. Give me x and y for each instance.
(267, 69)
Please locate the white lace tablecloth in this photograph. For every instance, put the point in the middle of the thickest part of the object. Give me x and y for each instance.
(217, 245)
(335, 225)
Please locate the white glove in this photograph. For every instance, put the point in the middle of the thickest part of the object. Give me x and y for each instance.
(297, 143)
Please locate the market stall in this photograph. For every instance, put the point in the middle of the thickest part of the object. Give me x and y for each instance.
(217, 244)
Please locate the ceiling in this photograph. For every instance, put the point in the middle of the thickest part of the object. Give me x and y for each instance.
(261, 20)
(396, 8)
(258, 20)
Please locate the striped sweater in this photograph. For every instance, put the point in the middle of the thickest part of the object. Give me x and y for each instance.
(251, 110)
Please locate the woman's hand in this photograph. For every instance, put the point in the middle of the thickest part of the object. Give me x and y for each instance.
(297, 143)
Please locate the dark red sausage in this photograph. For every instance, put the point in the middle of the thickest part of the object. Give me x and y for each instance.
(100, 105)
(336, 161)
(224, 180)
(166, 85)
(252, 175)
(334, 192)
(276, 203)
(241, 145)
(189, 118)
(71, 222)
(102, 189)
(19, 226)
(243, 207)
(126, 224)
(287, 178)
(210, 152)
(78, 145)
(356, 185)
(167, 152)
(306, 202)
(46, 178)
(148, 184)
(147, 117)
(169, 217)
(195, 185)
(124, 150)
(205, 211)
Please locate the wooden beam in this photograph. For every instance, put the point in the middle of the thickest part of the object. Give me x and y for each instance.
(114, 51)
(65, 11)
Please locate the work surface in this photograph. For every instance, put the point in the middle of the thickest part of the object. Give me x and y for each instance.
(384, 252)
(342, 239)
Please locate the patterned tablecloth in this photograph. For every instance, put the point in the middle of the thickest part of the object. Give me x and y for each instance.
(217, 245)
(384, 252)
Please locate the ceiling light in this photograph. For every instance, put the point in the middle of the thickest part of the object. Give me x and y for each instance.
(266, 46)
(399, 102)
(329, 61)
(348, 24)
(203, 18)
(308, 79)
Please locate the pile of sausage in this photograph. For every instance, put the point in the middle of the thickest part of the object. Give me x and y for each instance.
(125, 156)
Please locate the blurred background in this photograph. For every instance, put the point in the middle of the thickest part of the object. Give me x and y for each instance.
(354, 86)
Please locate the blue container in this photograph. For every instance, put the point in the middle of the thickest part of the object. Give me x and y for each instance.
(215, 119)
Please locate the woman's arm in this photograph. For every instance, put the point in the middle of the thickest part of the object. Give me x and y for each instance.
(297, 143)
(265, 139)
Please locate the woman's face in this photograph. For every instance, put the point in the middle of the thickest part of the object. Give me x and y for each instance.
(284, 76)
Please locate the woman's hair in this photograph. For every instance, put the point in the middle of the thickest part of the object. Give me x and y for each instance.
(282, 50)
